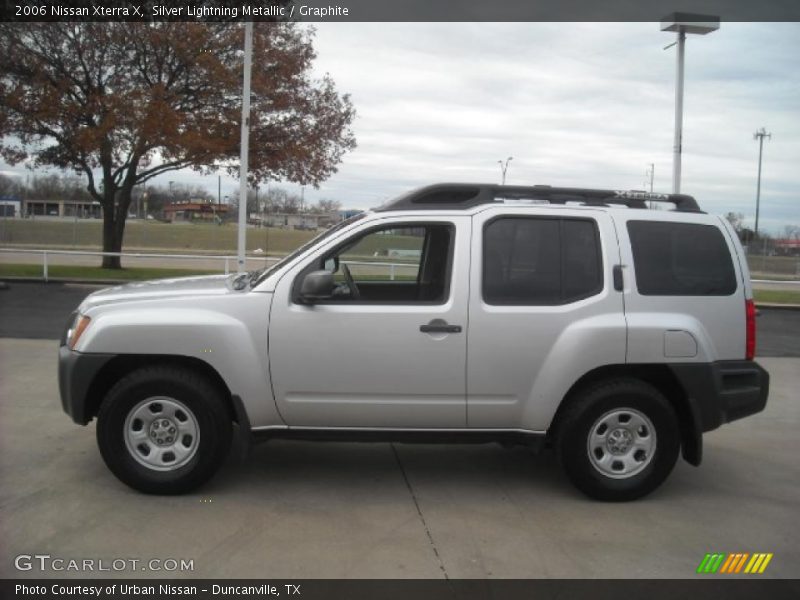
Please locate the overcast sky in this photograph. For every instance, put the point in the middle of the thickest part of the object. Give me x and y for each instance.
(575, 105)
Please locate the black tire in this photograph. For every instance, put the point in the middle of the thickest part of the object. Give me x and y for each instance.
(211, 419)
(608, 402)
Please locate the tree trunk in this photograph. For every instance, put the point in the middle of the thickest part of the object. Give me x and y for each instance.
(115, 211)
(112, 241)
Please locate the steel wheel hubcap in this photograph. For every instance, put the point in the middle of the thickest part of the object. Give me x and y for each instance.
(621, 443)
(161, 433)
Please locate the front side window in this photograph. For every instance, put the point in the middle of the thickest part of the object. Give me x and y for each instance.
(681, 259)
(394, 264)
(540, 261)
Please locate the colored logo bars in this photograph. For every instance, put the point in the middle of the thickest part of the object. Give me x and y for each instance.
(737, 562)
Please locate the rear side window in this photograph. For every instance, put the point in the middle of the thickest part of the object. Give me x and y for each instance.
(540, 261)
(681, 259)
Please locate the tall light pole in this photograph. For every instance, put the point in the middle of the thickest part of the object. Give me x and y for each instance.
(759, 135)
(504, 168)
(243, 159)
(683, 23)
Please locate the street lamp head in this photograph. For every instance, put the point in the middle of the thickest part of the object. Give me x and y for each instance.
(690, 23)
(762, 133)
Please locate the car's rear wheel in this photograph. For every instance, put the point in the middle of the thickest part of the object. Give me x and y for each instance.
(164, 430)
(618, 440)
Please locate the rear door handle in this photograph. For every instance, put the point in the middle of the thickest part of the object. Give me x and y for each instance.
(439, 326)
(618, 282)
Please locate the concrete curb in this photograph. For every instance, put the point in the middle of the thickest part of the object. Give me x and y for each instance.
(776, 305)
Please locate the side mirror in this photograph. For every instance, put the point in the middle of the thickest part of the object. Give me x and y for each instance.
(317, 285)
(332, 264)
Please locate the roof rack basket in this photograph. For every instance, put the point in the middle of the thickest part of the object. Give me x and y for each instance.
(455, 196)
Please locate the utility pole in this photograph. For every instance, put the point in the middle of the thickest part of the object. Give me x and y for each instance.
(677, 141)
(243, 159)
(759, 135)
(266, 240)
(504, 168)
(144, 227)
(651, 171)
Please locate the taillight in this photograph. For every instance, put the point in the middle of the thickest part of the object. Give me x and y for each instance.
(750, 325)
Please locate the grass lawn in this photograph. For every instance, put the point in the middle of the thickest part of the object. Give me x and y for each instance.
(86, 234)
(80, 272)
(777, 296)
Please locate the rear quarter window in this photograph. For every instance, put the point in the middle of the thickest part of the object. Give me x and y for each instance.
(681, 259)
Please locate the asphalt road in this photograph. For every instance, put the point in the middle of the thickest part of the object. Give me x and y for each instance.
(40, 311)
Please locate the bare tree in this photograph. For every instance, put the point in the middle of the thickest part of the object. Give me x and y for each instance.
(326, 205)
(791, 232)
(736, 220)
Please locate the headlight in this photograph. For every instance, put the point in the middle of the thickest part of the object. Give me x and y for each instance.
(76, 330)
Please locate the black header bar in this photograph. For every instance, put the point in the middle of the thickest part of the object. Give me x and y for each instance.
(365, 589)
(394, 10)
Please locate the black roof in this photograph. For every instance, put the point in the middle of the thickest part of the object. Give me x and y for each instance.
(443, 196)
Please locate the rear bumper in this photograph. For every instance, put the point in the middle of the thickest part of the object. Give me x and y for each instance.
(723, 391)
(76, 372)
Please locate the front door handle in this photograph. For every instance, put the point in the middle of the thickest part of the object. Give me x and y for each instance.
(439, 326)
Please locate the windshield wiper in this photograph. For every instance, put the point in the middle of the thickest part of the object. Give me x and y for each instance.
(243, 280)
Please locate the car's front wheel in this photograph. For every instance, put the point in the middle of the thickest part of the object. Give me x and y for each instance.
(618, 440)
(164, 430)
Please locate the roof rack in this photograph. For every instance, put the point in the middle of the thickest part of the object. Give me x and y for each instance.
(461, 196)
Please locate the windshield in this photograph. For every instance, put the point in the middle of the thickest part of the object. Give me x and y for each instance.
(260, 275)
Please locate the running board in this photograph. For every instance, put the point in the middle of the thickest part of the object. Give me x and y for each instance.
(534, 439)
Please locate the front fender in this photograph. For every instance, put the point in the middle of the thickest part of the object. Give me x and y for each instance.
(229, 334)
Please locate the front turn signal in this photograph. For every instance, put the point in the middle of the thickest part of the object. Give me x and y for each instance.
(77, 331)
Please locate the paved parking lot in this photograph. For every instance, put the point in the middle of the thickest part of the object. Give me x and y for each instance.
(299, 509)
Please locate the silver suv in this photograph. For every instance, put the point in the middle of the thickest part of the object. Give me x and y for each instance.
(472, 313)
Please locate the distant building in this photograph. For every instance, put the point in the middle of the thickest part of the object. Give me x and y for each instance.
(195, 210)
(302, 221)
(10, 206)
(787, 247)
(85, 209)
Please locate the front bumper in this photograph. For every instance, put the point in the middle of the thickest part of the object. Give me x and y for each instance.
(723, 391)
(76, 372)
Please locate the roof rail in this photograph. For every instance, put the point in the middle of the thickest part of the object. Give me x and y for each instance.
(458, 196)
